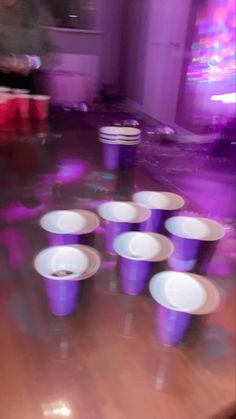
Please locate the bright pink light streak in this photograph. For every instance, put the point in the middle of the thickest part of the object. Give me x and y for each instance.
(225, 98)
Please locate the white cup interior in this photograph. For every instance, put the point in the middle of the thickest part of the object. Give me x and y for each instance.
(121, 137)
(61, 258)
(94, 260)
(159, 200)
(177, 291)
(67, 222)
(71, 222)
(125, 212)
(143, 246)
(112, 130)
(128, 212)
(195, 228)
(184, 292)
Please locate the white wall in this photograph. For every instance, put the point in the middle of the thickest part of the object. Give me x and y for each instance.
(105, 44)
(111, 23)
(165, 56)
(136, 15)
(156, 33)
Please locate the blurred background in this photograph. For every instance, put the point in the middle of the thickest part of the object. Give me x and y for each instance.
(174, 61)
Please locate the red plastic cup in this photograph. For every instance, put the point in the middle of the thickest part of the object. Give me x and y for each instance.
(23, 105)
(11, 105)
(40, 106)
(3, 111)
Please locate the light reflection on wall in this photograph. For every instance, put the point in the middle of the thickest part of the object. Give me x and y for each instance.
(213, 52)
(70, 170)
(210, 73)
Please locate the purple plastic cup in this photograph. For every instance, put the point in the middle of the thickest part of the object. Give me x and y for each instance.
(154, 223)
(62, 296)
(185, 254)
(134, 275)
(119, 146)
(161, 204)
(137, 251)
(111, 155)
(188, 235)
(171, 325)
(63, 239)
(178, 296)
(66, 227)
(62, 267)
(120, 217)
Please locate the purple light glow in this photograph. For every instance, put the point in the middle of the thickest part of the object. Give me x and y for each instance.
(70, 171)
(214, 49)
(109, 265)
(210, 79)
(17, 212)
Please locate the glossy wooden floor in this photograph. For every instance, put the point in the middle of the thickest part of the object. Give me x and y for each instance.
(103, 362)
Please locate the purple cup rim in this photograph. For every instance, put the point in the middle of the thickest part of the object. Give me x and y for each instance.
(119, 131)
(94, 260)
(143, 215)
(176, 201)
(166, 250)
(211, 303)
(216, 230)
(74, 277)
(91, 218)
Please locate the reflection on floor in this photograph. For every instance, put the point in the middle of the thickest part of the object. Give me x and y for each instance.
(104, 361)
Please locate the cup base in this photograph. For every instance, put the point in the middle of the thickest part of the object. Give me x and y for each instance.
(62, 296)
(62, 307)
(171, 325)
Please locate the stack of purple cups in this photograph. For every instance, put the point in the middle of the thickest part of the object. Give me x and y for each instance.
(161, 205)
(188, 235)
(120, 217)
(179, 297)
(137, 251)
(70, 226)
(119, 146)
(63, 267)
